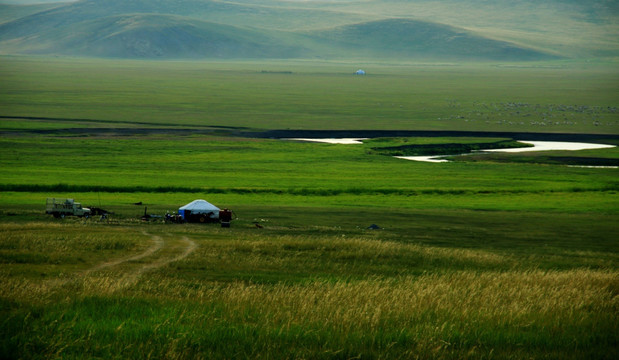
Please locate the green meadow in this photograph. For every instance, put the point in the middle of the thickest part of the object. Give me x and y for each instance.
(504, 256)
(562, 96)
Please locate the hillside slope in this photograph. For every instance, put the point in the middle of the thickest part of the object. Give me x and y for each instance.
(10, 12)
(156, 36)
(571, 28)
(409, 38)
(453, 29)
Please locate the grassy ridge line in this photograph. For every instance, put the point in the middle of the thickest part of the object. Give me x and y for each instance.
(299, 191)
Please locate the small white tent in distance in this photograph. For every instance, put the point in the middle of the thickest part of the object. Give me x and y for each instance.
(199, 210)
(360, 72)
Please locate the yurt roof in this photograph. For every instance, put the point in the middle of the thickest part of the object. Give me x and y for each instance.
(199, 205)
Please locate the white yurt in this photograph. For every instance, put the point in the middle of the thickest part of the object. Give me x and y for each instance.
(199, 210)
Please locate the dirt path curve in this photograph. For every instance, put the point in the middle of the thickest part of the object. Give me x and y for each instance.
(158, 243)
(126, 272)
(188, 248)
(116, 275)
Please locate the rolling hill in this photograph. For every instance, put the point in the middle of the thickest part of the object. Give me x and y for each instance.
(155, 36)
(10, 12)
(336, 29)
(400, 38)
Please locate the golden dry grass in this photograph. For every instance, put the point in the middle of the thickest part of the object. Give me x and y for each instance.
(179, 288)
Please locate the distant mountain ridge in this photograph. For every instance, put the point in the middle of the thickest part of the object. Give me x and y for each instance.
(177, 29)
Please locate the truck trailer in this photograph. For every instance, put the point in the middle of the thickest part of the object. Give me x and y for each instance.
(60, 208)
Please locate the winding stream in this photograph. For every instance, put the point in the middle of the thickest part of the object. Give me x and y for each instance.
(537, 146)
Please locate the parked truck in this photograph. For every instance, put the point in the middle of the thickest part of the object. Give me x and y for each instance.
(60, 208)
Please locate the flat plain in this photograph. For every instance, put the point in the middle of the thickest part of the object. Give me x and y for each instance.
(484, 257)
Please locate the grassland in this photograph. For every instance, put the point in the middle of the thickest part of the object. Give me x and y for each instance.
(298, 291)
(572, 97)
(474, 259)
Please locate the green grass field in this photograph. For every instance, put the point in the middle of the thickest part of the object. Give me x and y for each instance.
(431, 284)
(573, 97)
(504, 256)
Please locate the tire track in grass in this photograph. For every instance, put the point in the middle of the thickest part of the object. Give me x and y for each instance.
(158, 244)
(132, 275)
(106, 277)
(111, 276)
(188, 248)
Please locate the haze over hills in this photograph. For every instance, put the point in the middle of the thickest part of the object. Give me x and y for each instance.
(335, 29)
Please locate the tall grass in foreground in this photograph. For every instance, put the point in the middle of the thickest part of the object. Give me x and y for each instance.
(533, 314)
(326, 297)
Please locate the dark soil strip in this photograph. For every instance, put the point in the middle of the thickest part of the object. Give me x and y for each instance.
(183, 130)
(540, 159)
(183, 127)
